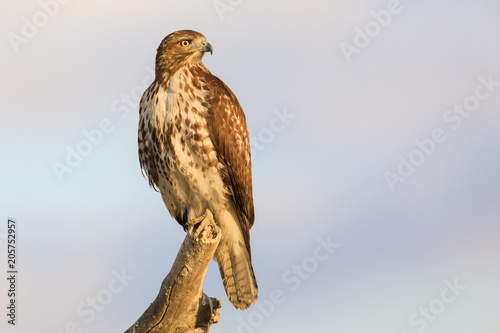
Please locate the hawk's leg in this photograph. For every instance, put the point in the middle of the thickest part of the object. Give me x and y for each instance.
(197, 224)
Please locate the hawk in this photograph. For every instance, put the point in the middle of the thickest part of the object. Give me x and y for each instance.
(194, 147)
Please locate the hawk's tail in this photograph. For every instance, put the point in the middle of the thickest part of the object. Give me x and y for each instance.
(236, 269)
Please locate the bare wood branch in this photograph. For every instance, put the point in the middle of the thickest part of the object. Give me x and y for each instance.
(181, 305)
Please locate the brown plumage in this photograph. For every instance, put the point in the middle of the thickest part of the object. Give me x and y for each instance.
(194, 147)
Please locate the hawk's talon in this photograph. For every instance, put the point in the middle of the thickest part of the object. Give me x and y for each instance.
(196, 225)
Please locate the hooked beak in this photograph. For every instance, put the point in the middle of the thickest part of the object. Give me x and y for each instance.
(207, 48)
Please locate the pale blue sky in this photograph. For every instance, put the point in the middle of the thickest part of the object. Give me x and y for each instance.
(319, 175)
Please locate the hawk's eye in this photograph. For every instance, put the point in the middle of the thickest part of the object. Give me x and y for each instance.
(185, 42)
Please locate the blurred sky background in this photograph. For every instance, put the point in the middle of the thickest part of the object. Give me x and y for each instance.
(326, 129)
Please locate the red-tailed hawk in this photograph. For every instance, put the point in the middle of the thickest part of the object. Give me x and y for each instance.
(194, 147)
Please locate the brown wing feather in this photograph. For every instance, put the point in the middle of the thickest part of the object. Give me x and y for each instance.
(229, 133)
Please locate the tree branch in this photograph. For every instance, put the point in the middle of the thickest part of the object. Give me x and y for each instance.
(181, 305)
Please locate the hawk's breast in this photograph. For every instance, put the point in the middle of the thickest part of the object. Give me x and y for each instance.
(183, 154)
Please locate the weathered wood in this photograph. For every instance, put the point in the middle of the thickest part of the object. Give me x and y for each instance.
(181, 305)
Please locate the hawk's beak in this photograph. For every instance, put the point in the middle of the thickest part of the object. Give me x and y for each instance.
(207, 48)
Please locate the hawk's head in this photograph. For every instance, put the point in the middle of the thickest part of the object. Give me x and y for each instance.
(180, 48)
